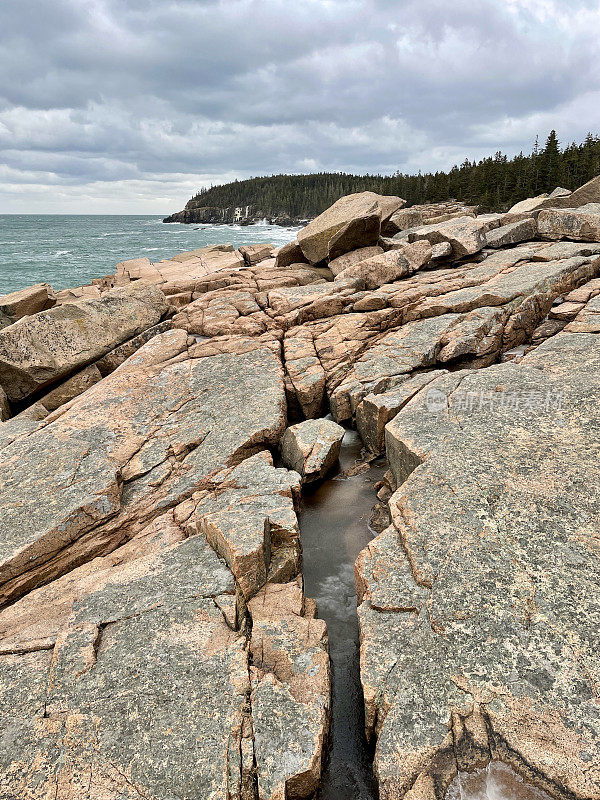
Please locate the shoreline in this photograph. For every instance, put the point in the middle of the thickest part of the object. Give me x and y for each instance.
(161, 427)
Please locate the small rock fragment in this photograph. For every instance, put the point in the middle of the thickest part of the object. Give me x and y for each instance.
(312, 447)
(441, 250)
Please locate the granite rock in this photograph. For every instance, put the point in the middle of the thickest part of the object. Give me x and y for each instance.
(466, 235)
(255, 253)
(388, 267)
(311, 448)
(354, 257)
(134, 444)
(38, 350)
(510, 234)
(289, 254)
(467, 619)
(581, 224)
(25, 302)
(351, 222)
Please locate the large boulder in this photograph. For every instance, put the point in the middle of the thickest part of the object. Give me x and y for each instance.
(562, 198)
(529, 204)
(40, 349)
(588, 193)
(311, 448)
(425, 214)
(25, 302)
(290, 253)
(351, 222)
(560, 191)
(465, 234)
(513, 233)
(581, 224)
(389, 267)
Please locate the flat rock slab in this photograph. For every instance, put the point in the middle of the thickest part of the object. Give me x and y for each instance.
(131, 663)
(132, 656)
(354, 257)
(511, 234)
(581, 224)
(423, 214)
(291, 688)
(388, 267)
(183, 268)
(490, 651)
(43, 348)
(311, 448)
(134, 444)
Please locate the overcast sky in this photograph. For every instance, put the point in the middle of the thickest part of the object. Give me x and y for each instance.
(130, 106)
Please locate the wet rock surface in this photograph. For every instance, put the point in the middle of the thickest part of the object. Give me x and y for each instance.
(334, 527)
(156, 639)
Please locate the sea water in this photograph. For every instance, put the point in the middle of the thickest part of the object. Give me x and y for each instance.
(496, 782)
(70, 250)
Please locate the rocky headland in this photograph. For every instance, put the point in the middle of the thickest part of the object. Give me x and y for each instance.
(155, 638)
(196, 212)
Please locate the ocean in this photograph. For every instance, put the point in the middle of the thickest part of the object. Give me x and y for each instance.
(67, 251)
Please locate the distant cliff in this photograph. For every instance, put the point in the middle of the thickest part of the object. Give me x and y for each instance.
(195, 211)
(280, 199)
(494, 184)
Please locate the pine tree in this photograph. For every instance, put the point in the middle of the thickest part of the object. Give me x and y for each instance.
(493, 183)
(550, 172)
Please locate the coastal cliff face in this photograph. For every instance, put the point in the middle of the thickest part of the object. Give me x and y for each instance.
(155, 638)
(232, 215)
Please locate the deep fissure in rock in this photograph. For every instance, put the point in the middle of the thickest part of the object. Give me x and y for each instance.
(334, 528)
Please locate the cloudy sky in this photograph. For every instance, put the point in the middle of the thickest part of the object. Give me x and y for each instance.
(129, 106)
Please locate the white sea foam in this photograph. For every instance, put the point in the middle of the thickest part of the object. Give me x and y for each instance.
(70, 251)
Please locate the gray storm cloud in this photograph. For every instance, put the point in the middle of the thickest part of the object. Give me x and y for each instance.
(131, 106)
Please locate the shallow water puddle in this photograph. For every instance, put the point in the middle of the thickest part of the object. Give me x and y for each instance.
(496, 782)
(334, 529)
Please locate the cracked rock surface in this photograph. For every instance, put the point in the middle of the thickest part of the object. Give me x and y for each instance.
(125, 649)
(155, 639)
(480, 613)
